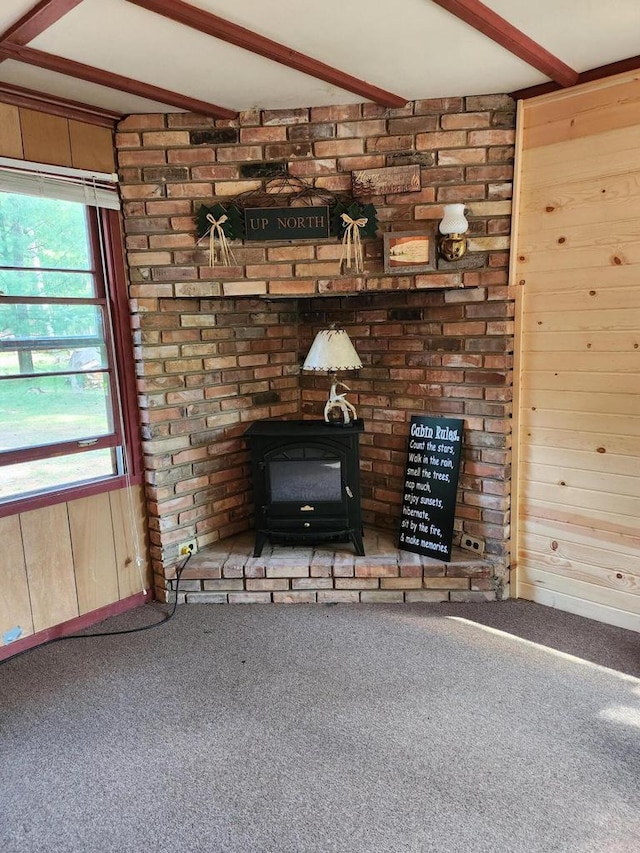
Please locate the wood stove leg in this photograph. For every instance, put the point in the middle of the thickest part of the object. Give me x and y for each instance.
(259, 543)
(356, 538)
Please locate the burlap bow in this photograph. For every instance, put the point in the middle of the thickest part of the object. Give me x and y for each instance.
(351, 240)
(216, 231)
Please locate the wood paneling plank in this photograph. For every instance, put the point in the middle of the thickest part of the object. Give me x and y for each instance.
(620, 445)
(548, 380)
(554, 530)
(93, 552)
(576, 102)
(612, 425)
(604, 483)
(15, 607)
(592, 159)
(589, 609)
(49, 562)
(583, 402)
(10, 132)
(586, 345)
(613, 199)
(91, 147)
(550, 282)
(583, 114)
(627, 509)
(593, 295)
(585, 126)
(128, 571)
(586, 260)
(598, 564)
(618, 578)
(562, 242)
(607, 524)
(572, 586)
(618, 361)
(593, 462)
(45, 138)
(597, 318)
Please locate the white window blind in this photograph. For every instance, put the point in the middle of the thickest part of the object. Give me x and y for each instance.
(97, 189)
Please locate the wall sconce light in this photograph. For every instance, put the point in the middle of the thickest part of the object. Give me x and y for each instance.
(452, 244)
(331, 351)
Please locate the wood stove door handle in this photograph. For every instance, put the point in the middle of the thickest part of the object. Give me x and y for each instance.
(307, 508)
(348, 491)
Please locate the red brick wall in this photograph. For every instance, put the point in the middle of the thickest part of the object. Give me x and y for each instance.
(210, 361)
(446, 353)
(206, 369)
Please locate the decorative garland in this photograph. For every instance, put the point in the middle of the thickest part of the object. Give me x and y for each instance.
(220, 224)
(353, 222)
(349, 220)
(354, 210)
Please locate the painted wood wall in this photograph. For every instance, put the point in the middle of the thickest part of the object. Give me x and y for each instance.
(69, 559)
(576, 268)
(27, 134)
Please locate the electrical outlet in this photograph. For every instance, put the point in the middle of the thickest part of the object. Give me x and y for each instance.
(185, 549)
(470, 543)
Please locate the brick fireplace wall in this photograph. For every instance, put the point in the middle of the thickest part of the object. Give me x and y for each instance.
(220, 347)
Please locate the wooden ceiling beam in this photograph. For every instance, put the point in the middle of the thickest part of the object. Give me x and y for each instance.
(55, 105)
(37, 20)
(621, 66)
(212, 25)
(80, 71)
(486, 21)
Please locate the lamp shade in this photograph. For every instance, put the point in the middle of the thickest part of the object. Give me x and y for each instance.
(453, 220)
(332, 350)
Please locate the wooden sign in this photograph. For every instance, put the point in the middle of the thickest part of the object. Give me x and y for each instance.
(286, 223)
(430, 485)
(393, 179)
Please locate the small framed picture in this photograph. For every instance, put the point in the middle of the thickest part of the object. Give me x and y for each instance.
(409, 252)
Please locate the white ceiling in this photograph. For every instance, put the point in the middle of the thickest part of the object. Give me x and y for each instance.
(412, 48)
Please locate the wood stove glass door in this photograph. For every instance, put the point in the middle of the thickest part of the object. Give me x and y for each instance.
(305, 479)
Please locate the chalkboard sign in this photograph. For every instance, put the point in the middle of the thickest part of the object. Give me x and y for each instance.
(430, 484)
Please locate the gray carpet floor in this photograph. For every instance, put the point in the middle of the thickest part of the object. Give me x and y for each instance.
(358, 729)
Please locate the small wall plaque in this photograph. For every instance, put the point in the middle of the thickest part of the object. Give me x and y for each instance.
(393, 179)
(408, 252)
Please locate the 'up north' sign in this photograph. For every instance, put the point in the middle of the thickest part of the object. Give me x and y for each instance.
(286, 223)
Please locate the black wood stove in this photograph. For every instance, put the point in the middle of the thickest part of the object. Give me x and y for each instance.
(306, 482)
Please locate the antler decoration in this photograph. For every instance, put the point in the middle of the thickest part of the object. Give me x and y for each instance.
(351, 241)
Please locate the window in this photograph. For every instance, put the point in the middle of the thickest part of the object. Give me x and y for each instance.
(63, 404)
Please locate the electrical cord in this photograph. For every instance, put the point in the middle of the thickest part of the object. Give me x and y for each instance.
(110, 633)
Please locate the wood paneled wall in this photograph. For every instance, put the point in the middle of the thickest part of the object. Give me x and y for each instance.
(577, 273)
(42, 138)
(69, 559)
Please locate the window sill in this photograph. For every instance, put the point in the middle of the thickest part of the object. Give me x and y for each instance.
(65, 495)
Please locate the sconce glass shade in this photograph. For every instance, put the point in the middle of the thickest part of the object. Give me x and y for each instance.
(453, 220)
(332, 350)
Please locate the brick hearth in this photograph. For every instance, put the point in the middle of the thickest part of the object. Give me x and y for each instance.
(227, 573)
